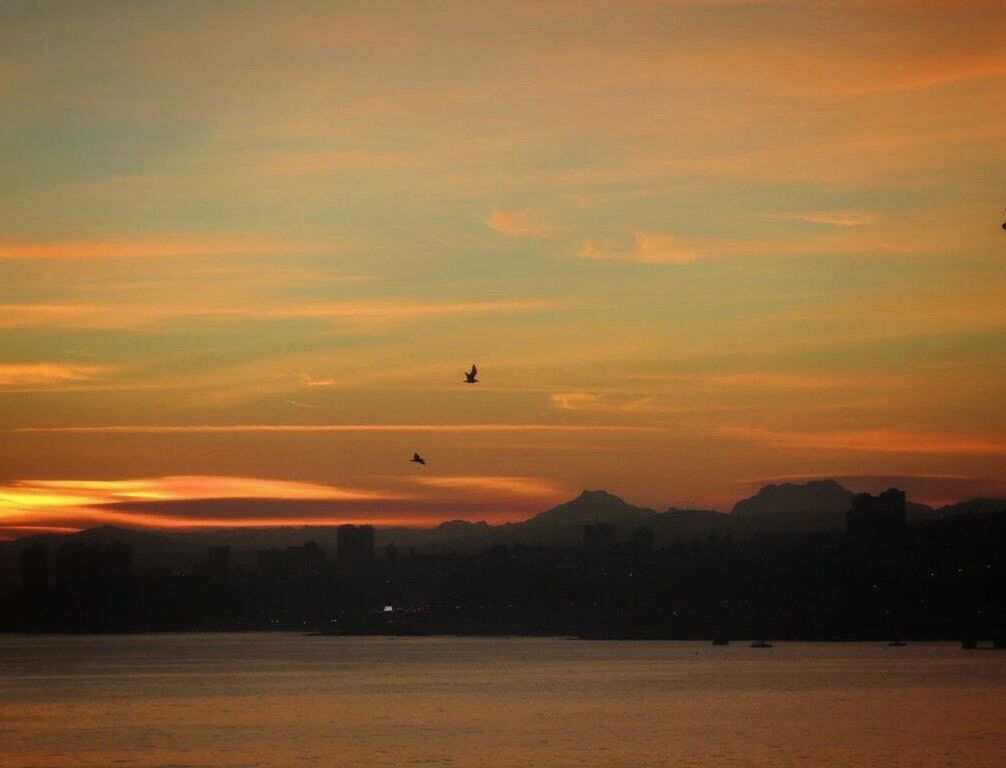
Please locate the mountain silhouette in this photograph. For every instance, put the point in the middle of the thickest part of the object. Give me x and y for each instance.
(814, 496)
(979, 506)
(591, 507)
(818, 505)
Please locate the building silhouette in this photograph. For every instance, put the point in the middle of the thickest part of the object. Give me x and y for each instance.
(643, 539)
(598, 537)
(217, 564)
(355, 543)
(88, 565)
(292, 561)
(878, 523)
(33, 563)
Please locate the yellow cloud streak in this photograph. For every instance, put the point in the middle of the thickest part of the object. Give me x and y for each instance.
(225, 428)
(135, 315)
(25, 374)
(126, 249)
(516, 486)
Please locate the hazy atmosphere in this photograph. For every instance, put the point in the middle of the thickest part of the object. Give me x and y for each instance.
(248, 251)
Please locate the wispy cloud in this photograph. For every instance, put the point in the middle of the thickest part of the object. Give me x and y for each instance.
(510, 486)
(177, 487)
(833, 219)
(872, 440)
(515, 224)
(210, 501)
(41, 374)
(50, 504)
(129, 249)
(595, 402)
(643, 248)
(138, 315)
(238, 428)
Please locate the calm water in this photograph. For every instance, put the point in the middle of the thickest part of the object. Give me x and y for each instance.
(286, 700)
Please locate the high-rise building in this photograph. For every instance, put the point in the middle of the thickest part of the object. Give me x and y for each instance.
(292, 561)
(878, 523)
(355, 543)
(88, 564)
(217, 564)
(34, 565)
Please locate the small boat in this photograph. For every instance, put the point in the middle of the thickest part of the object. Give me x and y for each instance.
(973, 644)
(721, 641)
(897, 644)
(761, 644)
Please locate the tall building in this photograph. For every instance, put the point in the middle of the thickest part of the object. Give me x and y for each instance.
(217, 564)
(34, 565)
(598, 537)
(292, 561)
(355, 543)
(878, 523)
(643, 539)
(89, 564)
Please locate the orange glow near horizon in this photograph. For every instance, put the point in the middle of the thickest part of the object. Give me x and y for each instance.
(50, 504)
(250, 254)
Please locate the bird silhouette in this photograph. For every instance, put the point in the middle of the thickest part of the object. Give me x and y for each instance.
(418, 459)
(470, 376)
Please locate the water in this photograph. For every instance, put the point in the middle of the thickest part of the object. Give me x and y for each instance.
(287, 700)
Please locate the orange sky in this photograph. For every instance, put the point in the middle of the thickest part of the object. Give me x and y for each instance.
(248, 251)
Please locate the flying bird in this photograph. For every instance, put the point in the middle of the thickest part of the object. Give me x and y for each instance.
(418, 459)
(470, 376)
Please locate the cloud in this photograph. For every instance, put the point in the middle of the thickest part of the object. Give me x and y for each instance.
(211, 501)
(872, 441)
(593, 402)
(313, 383)
(175, 487)
(139, 315)
(293, 428)
(515, 224)
(42, 374)
(129, 249)
(847, 219)
(508, 486)
(644, 248)
(56, 503)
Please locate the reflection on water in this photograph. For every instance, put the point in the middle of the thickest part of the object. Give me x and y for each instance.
(286, 700)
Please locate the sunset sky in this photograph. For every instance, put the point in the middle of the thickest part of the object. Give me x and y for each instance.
(248, 249)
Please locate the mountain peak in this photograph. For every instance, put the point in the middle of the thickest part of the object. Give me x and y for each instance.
(591, 507)
(814, 495)
(586, 495)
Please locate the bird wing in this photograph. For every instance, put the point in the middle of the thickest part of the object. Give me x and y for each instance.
(474, 369)
(416, 457)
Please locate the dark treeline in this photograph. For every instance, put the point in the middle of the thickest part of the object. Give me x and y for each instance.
(936, 579)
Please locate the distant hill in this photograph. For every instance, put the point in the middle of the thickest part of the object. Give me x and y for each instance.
(814, 496)
(818, 505)
(978, 506)
(590, 507)
(811, 506)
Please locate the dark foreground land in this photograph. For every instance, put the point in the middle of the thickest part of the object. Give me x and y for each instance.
(943, 579)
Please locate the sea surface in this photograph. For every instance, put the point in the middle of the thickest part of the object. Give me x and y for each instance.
(291, 700)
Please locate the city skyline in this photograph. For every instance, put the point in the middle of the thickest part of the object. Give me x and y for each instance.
(249, 252)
